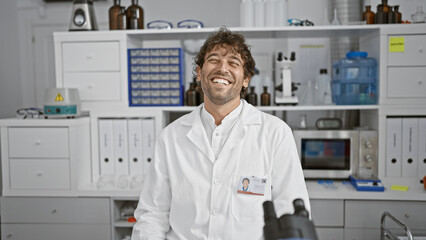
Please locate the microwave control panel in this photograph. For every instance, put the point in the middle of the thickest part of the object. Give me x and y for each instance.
(368, 151)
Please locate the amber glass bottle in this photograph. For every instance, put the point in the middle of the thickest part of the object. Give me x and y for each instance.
(368, 15)
(391, 16)
(386, 10)
(397, 13)
(114, 13)
(379, 18)
(192, 96)
(135, 11)
(252, 97)
(265, 97)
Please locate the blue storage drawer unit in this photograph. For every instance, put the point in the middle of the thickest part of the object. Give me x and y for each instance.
(156, 76)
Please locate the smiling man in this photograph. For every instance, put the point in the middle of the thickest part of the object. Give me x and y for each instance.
(193, 190)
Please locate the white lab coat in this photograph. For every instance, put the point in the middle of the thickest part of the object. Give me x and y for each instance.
(191, 195)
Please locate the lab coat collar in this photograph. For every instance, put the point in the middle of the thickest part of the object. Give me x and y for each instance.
(197, 135)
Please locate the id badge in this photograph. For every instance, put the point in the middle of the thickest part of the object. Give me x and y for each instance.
(252, 185)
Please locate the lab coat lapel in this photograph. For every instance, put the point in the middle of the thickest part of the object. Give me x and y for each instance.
(197, 134)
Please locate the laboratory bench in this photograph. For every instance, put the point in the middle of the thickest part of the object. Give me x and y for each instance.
(52, 184)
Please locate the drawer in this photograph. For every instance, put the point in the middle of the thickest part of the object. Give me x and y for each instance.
(38, 142)
(406, 82)
(55, 210)
(95, 86)
(56, 231)
(367, 214)
(414, 53)
(329, 233)
(88, 56)
(327, 213)
(39, 174)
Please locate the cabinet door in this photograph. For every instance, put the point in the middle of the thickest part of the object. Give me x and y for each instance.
(91, 56)
(407, 82)
(55, 231)
(39, 174)
(38, 142)
(55, 210)
(95, 86)
(362, 234)
(413, 54)
(367, 214)
(329, 233)
(327, 213)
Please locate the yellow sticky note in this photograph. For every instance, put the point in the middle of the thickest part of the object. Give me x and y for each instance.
(399, 188)
(396, 44)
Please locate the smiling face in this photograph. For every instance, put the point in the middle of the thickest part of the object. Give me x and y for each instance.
(222, 75)
(245, 183)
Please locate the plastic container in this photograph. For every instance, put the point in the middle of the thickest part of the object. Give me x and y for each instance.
(354, 80)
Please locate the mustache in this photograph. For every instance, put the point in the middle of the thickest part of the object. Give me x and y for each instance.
(221, 75)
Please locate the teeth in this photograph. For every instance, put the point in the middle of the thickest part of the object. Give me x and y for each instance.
(222, 81)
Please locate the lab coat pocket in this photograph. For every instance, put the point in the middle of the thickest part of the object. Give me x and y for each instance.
(246, 207)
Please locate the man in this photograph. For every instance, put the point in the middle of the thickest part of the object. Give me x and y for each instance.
(193, 189)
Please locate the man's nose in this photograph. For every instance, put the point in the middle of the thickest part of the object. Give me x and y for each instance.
(224, 66)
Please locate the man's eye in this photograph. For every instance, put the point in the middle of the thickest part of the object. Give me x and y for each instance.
(212, 60)
(234, 63)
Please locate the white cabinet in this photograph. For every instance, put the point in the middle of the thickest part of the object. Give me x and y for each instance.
(45, 157)
(55, 218)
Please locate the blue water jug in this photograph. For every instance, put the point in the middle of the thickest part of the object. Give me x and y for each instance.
(354, 80)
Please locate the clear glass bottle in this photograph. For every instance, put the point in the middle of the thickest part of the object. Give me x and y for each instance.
(135, 11)
(114, 13)
(323, 87)
(265, 97)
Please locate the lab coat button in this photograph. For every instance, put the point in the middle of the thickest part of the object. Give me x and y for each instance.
(216, 182)
(217, 134)
(215, 212)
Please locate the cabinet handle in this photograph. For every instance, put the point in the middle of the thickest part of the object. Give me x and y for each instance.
(420, 82)
(39, 174)
(406, 215)
(89, 57)
(90, 86)
(54, 211)
(421, 50)
(8, 235)
(38, 142)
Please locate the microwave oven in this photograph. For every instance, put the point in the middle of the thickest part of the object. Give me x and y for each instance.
(336, 154)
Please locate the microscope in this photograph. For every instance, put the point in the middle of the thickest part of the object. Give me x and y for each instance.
(294, 227)
(283, 67)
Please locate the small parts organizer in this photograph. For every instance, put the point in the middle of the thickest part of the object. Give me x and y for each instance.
(155, 76)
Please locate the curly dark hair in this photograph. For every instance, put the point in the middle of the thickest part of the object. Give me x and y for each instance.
(235, 41)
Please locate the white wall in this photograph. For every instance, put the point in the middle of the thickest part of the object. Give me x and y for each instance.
(10, 94)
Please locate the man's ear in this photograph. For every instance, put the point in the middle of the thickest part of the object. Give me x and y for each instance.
(198, 73)
(246, 82)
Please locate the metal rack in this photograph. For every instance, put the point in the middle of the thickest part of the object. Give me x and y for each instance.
(385, 233)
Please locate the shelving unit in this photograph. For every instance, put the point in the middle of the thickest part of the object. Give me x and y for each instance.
(95, 62)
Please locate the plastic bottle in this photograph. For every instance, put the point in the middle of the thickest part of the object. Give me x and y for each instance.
(281, 13)
(135, 11)
(259, 13)
(309, 94)
(354, 80)
(323, 86)
(246, 13)
(114, 13)
(270, 18)
(265, 97)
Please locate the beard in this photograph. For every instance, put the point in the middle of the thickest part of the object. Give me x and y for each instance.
(218, 95)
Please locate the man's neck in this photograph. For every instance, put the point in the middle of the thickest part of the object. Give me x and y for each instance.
(219, 112)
